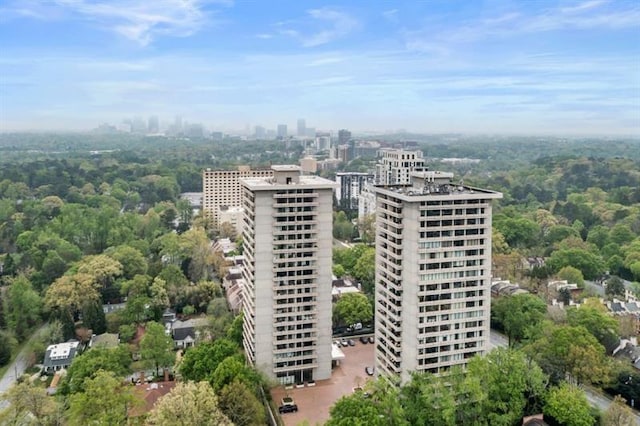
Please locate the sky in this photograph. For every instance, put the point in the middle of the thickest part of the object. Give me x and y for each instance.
(495, 66)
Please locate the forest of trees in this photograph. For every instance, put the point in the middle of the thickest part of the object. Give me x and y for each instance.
(81, 228)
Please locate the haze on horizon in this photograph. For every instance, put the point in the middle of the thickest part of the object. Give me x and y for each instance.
(561, 67)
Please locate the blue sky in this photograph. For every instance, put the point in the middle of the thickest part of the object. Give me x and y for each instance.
(497, 66)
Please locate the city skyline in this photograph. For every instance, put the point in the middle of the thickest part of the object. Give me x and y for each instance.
(568, 67)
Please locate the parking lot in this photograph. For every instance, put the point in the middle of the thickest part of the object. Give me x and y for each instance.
(314, 402)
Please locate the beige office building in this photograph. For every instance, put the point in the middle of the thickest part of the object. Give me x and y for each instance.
(287, 269)
(395, 166)
(221, 188)
(433, 274)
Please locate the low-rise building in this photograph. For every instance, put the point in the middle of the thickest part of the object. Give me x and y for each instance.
(60, 356)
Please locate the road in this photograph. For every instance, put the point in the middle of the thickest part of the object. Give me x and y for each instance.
(594, 396)
(17, 367)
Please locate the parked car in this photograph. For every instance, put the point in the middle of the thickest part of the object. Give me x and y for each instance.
(344, 342)
(337, 343)
(369, 371)
(288, 406)
(364, 340)
(351, 342)
(371, 339)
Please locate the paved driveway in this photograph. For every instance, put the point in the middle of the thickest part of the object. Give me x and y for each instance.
(314, 402)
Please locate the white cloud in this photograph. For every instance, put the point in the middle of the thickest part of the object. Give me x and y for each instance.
(139, 20)
(333, 24)
(584, 16)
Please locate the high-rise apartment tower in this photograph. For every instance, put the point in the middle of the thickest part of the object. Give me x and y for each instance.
(287, 272)
(433, 274)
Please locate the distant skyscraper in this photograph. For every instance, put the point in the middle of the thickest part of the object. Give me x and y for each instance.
(153, 124)
(282, 130)
(302, 127)
(433, 274)
(260, 132)
(343, 137)
(287, 267)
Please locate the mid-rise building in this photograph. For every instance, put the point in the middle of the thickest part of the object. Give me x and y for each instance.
(282, 131)
(221, 188)
(433, 274)
(302, 127)
(287, 273)
(395, 166)
(350, 185)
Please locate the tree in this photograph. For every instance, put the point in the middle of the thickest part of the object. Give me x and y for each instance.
(589, 264)
(427, 400)
(6, 345)
(511, 383)
(201, 361)
(105, 401)
(365, 269)
(22, 307)
(70, 292)
(356, 410)
(615, 287)
(352, 308)
(132, 260)
(568, 405)
(188, 404)
(618, 414)
(29, 405)
(338, 271)
(571, 275)
(518, 314)
(86, 366)
(235, 330)
(560, 350)
(156, 347)
(93, 317)
(230, 369)
(593, 316)
(241, 405)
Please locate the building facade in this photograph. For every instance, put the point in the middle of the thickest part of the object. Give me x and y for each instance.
(395, 166)
(287, 273)
(433, 274)
(350, 185)
(221, 188)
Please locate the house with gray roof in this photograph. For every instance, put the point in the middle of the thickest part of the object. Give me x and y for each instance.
(60, 356)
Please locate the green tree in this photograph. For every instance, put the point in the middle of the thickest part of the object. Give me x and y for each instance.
(93, 317)
(568, 405)
(352, 308)
(615, 287)
(562, 350)
(86, 366)
(588, 263)
(132, 260)
(241, 405)
(22, 307)
(156, 347)
(230, 369)
(511, 382)
(593, 316)
(29, 405)
(188, 404)
(6, 345)
(518, 315)
(201, 361)
(235, 330)
(571, 275)
(365, 269)
(105, 401)
(427, 400)
(338, 271)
